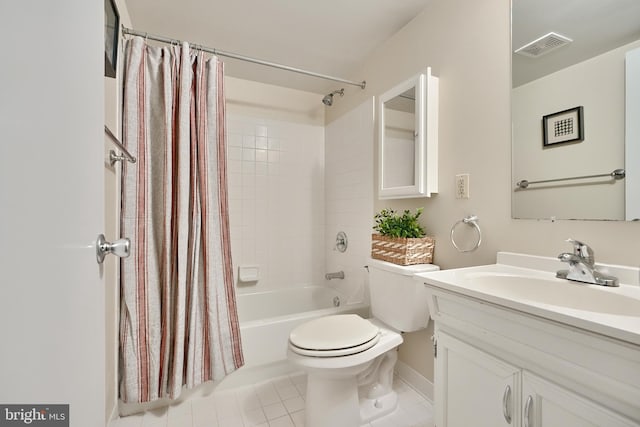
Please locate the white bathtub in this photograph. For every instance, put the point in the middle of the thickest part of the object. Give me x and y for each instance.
(267, 318)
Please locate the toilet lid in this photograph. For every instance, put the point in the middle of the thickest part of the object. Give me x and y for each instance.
(331, 336)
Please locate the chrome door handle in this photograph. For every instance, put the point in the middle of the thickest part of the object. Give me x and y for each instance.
(527, 412)
(506, 404)
(120, 248)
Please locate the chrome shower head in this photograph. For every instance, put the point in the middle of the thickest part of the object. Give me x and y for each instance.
(328, 99)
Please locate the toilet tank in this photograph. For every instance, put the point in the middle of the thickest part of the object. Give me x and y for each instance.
(397, 298)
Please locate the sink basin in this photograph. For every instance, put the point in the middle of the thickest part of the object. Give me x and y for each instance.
(528, 284)
(556, 292)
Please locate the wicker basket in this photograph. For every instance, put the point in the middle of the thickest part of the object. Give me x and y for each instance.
(402, 250)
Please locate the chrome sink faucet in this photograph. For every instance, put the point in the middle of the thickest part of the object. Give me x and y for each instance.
(582, 266)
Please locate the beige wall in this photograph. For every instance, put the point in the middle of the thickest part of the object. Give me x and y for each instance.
(467, 43)
(269, 102)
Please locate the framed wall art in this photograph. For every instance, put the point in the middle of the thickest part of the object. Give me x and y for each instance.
(111, 27)
(563, 127)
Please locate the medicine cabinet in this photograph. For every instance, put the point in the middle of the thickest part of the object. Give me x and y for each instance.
(408, 139)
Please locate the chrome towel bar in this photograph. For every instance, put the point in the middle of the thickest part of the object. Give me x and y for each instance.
(113, 157)
(616, 175)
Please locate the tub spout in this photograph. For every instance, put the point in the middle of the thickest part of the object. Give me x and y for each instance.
(336, 275)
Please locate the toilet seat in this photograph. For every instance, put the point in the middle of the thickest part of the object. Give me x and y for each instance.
(334, 336)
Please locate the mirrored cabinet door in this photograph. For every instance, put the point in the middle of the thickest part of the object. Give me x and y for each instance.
(408, 139)
(569, 100)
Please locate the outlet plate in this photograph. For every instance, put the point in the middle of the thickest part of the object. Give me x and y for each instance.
(462, 186)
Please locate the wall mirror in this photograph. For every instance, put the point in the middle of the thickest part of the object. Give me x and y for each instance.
(408, 138)
(581, 66)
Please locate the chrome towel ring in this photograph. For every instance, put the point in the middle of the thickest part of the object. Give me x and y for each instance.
(471, 220)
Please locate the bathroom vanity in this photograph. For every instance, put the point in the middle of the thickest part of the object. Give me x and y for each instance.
(516, 346)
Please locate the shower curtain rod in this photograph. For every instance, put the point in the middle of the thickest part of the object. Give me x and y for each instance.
(219, 52)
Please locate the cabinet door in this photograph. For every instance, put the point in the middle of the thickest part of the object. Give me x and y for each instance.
(548, 405)
(473, 388)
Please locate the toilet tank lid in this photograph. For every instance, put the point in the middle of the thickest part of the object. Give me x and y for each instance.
(407, 270)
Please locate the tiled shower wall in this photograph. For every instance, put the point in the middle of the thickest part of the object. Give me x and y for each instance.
(349, 144)
(275, 140)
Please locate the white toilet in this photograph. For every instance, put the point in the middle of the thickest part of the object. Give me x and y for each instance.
(349, 360)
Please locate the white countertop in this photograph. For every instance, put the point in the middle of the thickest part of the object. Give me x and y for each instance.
(528, 284)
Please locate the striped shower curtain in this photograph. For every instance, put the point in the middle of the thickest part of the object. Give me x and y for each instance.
(178, 318)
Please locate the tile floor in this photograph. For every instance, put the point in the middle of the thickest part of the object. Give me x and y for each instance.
(278, 402)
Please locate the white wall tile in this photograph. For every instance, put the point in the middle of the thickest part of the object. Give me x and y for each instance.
(261, 131)
(262, 169)
(278, 206)
(262, 142)
(235, 166)
(234, 139)
(273, 144)
(249, 168)
(248, 154)
(260, 155)
(349, 197)
(248, 141)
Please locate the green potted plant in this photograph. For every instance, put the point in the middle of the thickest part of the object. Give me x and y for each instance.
(401, 239)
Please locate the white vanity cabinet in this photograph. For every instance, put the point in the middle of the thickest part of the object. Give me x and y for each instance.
(547, 404)
(475, 388)
(496, 367)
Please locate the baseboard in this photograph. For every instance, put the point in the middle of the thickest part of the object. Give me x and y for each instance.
(113, 415)
(412, 377)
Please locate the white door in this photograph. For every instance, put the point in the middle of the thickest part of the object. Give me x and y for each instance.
(51, 206)
(548, 405)
(473, 388)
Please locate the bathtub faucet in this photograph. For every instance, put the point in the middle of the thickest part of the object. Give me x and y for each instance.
(336, 275)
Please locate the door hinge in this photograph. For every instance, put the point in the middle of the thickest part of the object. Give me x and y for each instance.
(435, 346)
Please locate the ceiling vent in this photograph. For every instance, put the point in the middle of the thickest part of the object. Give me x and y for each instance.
(543, 45)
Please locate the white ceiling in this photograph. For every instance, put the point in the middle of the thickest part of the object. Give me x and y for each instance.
(331, 37)
(595, 26)
(334, 37)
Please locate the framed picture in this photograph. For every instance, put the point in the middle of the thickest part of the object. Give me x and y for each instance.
(111, 27)
(563, 127)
